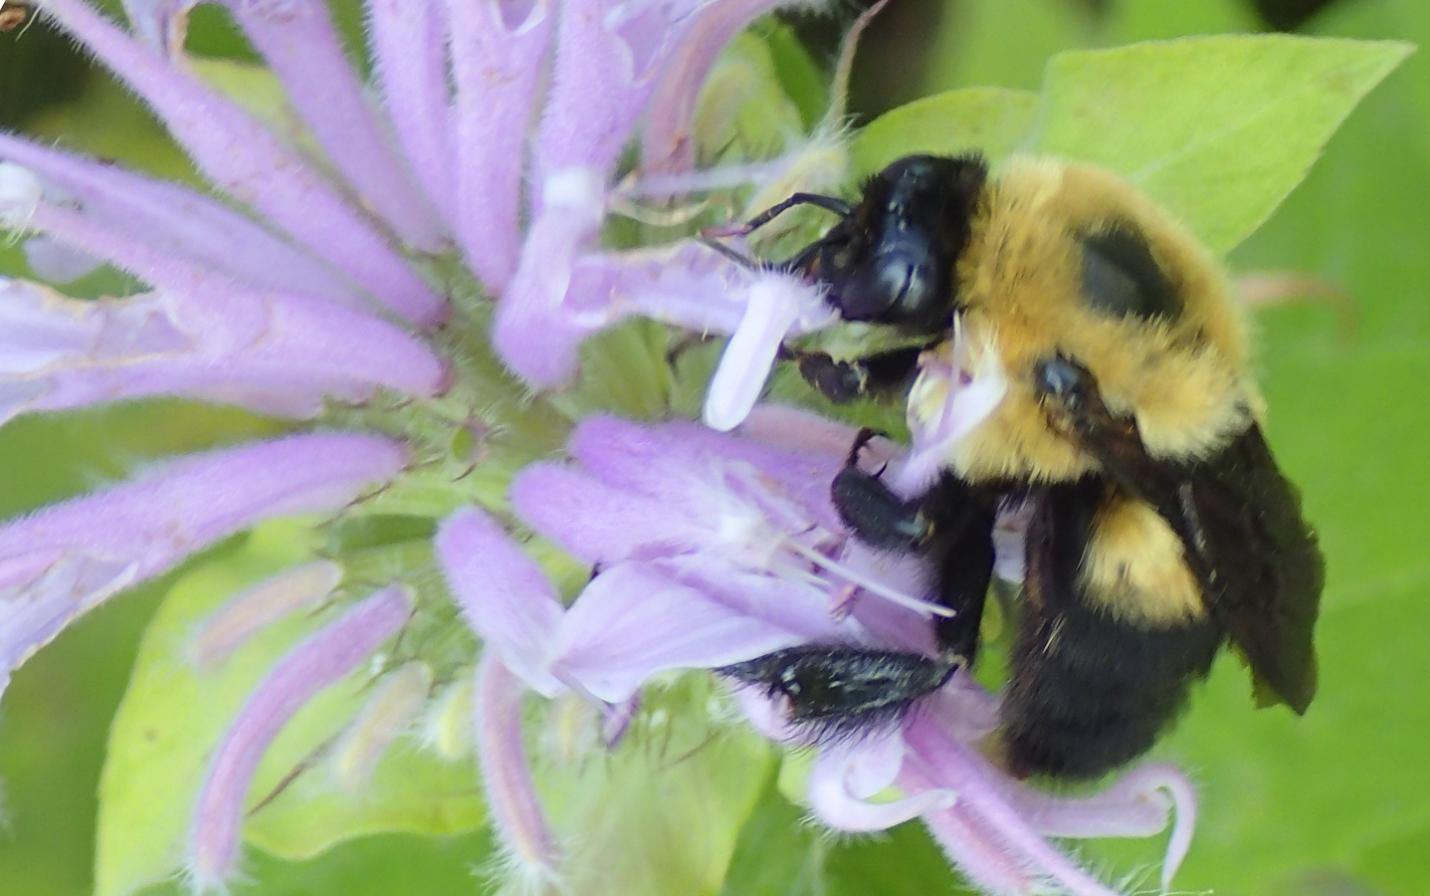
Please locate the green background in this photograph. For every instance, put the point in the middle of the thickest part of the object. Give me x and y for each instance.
(1335, 804)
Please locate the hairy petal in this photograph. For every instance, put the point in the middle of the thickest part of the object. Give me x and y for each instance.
(246, 161)
(302, 47)
(609, 56)
(666, 140)
(601, 523)
(498, 57)
(255, 608)
(504, 596)
(1137, 804)
(506, 774)
(409, 49)
(274, 353)
(324, 659)
(62, 561)
(177, 222)
(989, 807)
(394, 704)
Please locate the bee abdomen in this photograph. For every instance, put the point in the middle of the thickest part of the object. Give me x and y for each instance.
(1090, 692)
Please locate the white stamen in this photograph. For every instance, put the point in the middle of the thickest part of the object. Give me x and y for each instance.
(870, 585)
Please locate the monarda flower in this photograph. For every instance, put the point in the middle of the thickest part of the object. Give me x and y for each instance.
(414, 284)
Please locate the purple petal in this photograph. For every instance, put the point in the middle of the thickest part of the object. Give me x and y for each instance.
(255, 608)
(784, 602)
(321, 661)
(63, 560)
(409, 49)
(657, 460)
(58, 262)
(976, 852)
(775, 304)
(685, 285)
(498, 58)
(984, 801)
(608, 56)
(178, 222)
(666, 140)
(302, 48)
(846, 775)
(275, 353)
(631, 622)
(535, 335)
(1137, 804)
(246, 161)
(599, 523)
(506, 775)
(503, 594)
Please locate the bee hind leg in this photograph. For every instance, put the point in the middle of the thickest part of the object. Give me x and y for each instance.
(842, 689)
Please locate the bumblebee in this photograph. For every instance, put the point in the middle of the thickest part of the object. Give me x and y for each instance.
(1160, 528)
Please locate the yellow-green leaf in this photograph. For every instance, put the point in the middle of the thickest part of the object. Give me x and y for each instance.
(992, 120)
(1217, 129)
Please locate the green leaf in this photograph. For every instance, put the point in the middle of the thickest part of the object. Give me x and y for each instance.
(173, 715)
(993, 120)
(662, 814)
(1217, 129)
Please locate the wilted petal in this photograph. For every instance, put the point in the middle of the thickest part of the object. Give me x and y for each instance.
(623, 629)
(226, 629)
(275, 353)
(951, 397)
(498, 58)
(394, 704)
(302, 48)
(316, 664)
(180, 222)
(503, 594)
(775, 304)
(246, 161)
(61, 561)
(409, 50)
(506, 775)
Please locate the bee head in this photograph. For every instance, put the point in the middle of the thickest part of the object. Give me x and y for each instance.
(891, 260)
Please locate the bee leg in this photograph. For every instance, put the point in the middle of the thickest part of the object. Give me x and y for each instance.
(961, 546)
(885, 373)
(841, 689)
(875, 514)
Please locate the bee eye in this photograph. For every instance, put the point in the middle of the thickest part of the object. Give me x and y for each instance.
(1062, 379)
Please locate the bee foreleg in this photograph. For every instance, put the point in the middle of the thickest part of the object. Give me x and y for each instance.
(884, 373)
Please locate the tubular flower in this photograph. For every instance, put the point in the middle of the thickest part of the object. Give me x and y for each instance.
(713, 550)
(410, 284)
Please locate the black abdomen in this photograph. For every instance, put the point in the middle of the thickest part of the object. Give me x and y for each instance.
(1089, 691)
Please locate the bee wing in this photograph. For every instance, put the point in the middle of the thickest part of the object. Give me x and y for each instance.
(1261, 570)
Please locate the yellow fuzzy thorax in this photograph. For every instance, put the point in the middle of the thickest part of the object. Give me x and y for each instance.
(1184, 379)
